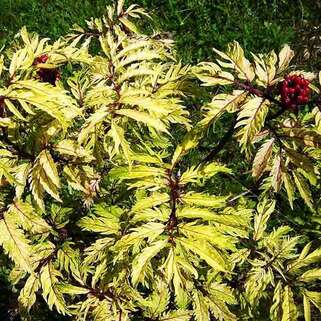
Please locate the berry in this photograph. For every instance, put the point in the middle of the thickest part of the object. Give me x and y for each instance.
(41, 59)
(294, 91)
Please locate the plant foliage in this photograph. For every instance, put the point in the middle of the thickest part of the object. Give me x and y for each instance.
(109, 209)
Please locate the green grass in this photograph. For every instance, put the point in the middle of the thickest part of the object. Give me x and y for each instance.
(50, 18)
(196, 25)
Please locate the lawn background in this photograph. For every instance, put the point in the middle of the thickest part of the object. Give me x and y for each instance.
(196, 25)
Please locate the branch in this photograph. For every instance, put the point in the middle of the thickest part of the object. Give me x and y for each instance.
(173, 183)
(101, 295)
(221, 144)
(46, 260)
(260, 93)
(248, 190)
(14, 147)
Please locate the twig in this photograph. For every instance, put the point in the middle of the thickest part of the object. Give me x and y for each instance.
(173, 183)
(221, 144)
(17, 149)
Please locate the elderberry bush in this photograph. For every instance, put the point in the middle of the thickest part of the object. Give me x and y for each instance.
(112, 205)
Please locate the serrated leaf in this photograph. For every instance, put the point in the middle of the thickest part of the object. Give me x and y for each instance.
(129, 25)
(27, 217)
(277, 173)
(310, 276)
(15, 244)
(27, 296)
(189, 142)
(261, 158)
(306, 308)
(265, 209)
(206, 252)
(72, 289)
(289, 309)
(50, 291)
(276, 307)
(119, 139)
(222, 103)
(200, 306)
(289, 187)
(71, 148)
(178, 315)
(304, 261)
(142, 260)
(144, 118)
(153, 200)
(314, 297)
(235, 55)
(304, 189)
(200, 199)
(285, 56)
(251, 120)
(14, 110)
(219, 297)
(21, 176)
(49, 166)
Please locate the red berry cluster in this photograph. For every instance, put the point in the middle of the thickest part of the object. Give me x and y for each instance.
(41, 59)
(46, 75)
(294, 91)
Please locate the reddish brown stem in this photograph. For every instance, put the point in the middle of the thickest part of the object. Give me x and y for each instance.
(173, 183)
